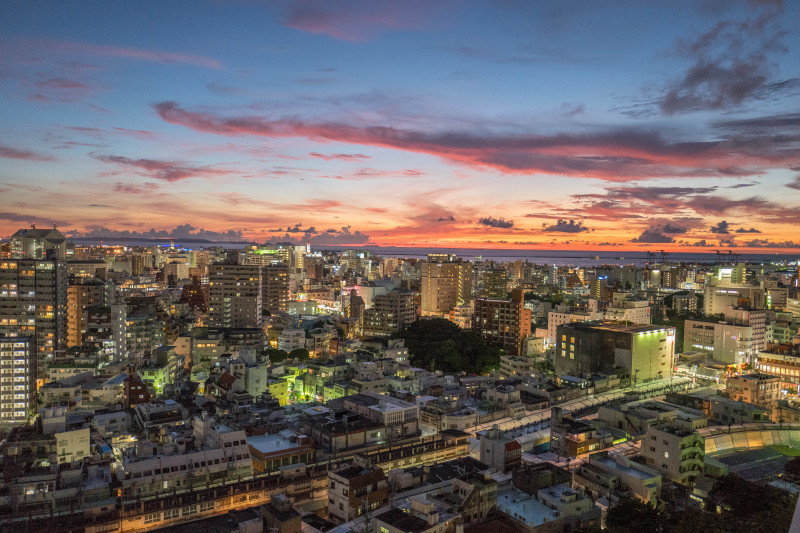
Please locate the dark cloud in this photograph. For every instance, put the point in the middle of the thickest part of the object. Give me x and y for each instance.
(702, 243)
(669, 228)
(653, 235)
(766, 243)
(751, 230)
(731, 63)
(27, 218)
(343, 236)
(451, 218)
(181, 231)
(496, 222)
(721, 228)
(564, 226)
(135, 188)
(297, 228)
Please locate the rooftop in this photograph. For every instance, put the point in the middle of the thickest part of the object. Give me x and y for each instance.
(524, 507)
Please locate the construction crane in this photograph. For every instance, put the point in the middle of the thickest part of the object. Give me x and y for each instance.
(664, 257)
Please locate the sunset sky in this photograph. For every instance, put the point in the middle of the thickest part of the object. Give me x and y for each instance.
(517, 124)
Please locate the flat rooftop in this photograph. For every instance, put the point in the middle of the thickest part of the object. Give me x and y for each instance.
(271, 443)
(629, 470)
(524, 507)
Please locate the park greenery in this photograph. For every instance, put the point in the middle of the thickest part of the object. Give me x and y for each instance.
(438, 344)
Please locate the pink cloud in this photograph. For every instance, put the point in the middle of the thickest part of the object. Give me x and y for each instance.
(339, 157)
(163, 170)
(157, 56)
(613, 155)
(15, 153)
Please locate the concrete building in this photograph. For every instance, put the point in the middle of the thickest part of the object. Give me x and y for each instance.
(566, 314)
(570, 437)
(355, 489)
(728, 343)
(612, 475)
(721, 293)
(499, 451)
(390, 313)
(677, 453)
(421, 515)
(48, 243)
(494, 284)
(274, 287)
(80, 296)
(760, 389)
(33, 303)
(646, 352)
(446, 283)
(235, 297)
(755, 318)
(503, 323)
(625, 308)
(17, 380)
(782, 361)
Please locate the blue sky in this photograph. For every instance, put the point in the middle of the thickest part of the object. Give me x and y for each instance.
(405, 123)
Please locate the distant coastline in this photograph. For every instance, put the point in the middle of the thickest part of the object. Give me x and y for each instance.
(556, 257)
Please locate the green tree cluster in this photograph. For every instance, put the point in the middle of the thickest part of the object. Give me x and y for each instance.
(278, 356)
(743, 506)
(438, 344)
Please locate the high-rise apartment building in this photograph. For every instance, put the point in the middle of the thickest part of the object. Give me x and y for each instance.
(235, 297)
(446, 283)
(17, 380)
(80, 296)
(503, 323)
(33, 303)
(274, 287)
(390, 313)
(32, 243)
(494, 284)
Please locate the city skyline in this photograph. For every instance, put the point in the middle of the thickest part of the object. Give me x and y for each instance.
(453, 124)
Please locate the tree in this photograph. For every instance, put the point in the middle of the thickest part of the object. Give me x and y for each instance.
(300, 354)
(632, 515)
(276, 356)
(441, 345)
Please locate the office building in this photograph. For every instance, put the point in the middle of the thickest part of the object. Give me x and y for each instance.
(645, 352)
(728, 343)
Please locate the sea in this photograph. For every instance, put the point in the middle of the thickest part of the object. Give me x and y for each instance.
(582, 258)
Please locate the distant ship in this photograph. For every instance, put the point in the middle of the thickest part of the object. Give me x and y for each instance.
(620, 257)
(595, 257)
